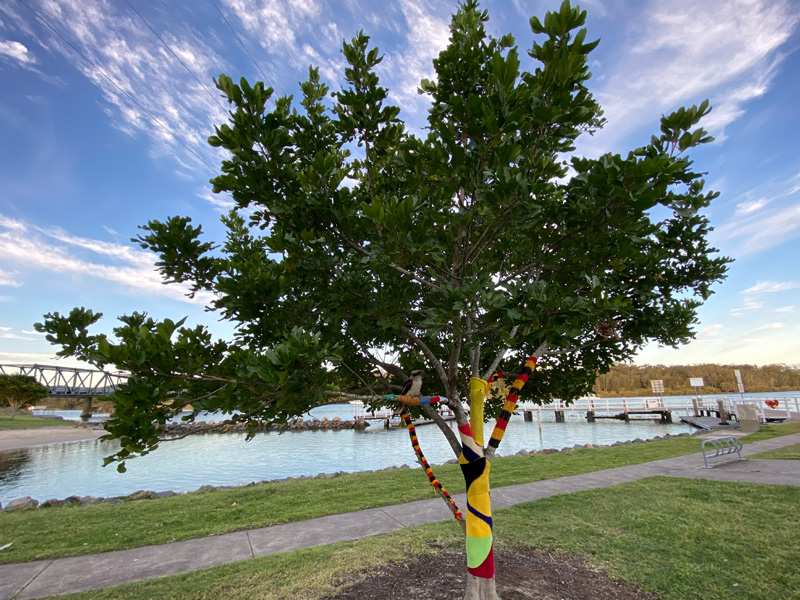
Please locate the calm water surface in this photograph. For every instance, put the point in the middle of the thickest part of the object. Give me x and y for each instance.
(65, 469)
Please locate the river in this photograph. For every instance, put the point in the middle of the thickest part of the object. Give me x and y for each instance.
(75, 468)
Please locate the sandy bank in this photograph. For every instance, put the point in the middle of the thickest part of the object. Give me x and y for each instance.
(13, 439)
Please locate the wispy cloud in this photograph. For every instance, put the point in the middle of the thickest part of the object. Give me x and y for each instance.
(10, 279)
(765, 217)
(770, 287)
(57, 251)
(115, 50)
(684, 51)
(785, 309)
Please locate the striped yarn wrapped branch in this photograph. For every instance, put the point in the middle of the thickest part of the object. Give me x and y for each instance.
(417, 401)
(424, 462)
(511, 403)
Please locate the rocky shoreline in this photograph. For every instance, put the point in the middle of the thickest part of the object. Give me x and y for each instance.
(28, 503)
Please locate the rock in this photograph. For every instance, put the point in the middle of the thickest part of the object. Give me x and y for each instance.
(403, 467)
(637, 441)
(24, 502)
(588, 445)
(548, 451)
(167, 494)
(52, 502)
(113, 501)
(206, 488)
(86, 500)
(140, 495)
(522, 453)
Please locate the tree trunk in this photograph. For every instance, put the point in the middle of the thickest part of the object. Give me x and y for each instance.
(480, 588)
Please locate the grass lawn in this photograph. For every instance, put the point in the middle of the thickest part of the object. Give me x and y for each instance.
(26, 421)
(76, 530)
(678, 539)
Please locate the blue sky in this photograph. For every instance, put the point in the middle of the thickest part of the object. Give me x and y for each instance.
(105, 107)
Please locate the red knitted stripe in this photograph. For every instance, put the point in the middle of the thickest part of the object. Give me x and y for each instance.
(486, 569)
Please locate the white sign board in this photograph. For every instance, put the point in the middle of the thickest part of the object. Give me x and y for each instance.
(739, 380)
(657, 385)
(696, 382)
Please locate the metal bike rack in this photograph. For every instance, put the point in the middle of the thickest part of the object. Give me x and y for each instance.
(721, 447)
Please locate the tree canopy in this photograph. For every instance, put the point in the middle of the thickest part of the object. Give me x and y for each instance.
(359, 250)
(20, 390)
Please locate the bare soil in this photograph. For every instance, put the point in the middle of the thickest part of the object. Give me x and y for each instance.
(522, 575)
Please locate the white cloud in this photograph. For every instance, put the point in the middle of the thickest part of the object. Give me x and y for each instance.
(711, 331)
(427, 34)
(751, 206)
(10, 279)
(132, 269)
(16, 51)
(767, 327)
(5, 328)
(759, 234)
(14, 336)
(29, 332)
(769, 287)
(785, 309)
(685, 51)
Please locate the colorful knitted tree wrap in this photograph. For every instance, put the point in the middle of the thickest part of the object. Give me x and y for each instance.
(475, 467)
(416, 400)
(511, 403)
(434, 482)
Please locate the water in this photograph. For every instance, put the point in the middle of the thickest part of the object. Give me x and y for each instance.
(66, 469)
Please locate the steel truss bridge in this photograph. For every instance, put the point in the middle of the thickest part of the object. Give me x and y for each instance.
(65, 382)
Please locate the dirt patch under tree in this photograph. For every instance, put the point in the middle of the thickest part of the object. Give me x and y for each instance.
(522, 575)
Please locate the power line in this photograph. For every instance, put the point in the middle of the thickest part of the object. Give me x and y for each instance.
(112, 82)
(214, 98)
(241, 43)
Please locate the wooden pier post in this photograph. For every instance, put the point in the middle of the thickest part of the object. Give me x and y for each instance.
(559, 416)
(590, 416)
(527, 415)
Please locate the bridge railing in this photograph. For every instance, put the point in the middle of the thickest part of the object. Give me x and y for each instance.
(67, 381)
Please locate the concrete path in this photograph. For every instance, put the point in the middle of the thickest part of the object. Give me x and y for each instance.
(80, 573)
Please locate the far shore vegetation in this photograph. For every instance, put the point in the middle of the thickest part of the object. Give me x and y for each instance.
(73, 529)
(633, 380)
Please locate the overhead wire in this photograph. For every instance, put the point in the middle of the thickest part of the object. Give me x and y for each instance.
(188, 70)
(112, 82)
(241, 43)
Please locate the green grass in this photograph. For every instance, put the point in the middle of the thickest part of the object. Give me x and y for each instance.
(787, 453)
(678, 539)
(77, 530)
(25, 421)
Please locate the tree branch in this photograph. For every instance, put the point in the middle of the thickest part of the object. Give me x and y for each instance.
(437, 364)
(490, 371)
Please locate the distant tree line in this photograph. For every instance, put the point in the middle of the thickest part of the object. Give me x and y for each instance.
(633, 380)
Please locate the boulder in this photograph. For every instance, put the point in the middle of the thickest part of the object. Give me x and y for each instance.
(522, 453)
(24, 502)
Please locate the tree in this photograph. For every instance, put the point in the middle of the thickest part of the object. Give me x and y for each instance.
(21, 390)
(359, 251)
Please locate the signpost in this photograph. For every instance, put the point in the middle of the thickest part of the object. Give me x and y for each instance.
(658, 386)
(696, 383)
(739, 381)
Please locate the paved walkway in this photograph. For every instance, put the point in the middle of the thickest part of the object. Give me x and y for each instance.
(80, 573)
